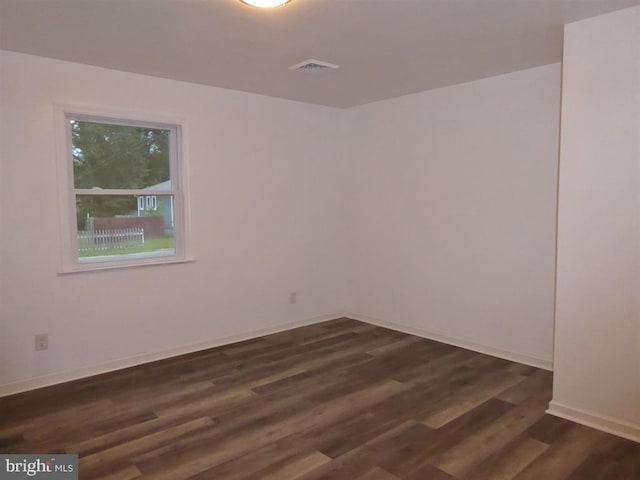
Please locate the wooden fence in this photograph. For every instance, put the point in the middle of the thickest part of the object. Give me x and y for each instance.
(95, 241)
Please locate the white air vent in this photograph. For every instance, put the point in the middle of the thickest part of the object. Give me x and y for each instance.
(313, 66)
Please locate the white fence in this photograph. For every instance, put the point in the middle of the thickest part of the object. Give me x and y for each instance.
(95, 241)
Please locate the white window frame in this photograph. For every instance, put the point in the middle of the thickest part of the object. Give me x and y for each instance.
(67, 192)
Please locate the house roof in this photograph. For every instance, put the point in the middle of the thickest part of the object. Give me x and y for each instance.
(160, 186)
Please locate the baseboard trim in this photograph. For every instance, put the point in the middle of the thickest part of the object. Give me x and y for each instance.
(605, 423)
(542, 363)
(140, 359)
(132, 361)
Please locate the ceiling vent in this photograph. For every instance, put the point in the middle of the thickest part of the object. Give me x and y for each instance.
(312, 66)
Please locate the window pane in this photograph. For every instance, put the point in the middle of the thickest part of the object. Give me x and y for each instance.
(119, 156)
(124, 227)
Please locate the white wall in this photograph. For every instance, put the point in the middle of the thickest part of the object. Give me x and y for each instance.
(454, 212)
(267, 187)
(597, 350)
(433, 212)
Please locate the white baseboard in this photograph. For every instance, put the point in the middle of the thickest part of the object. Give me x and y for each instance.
(76, 374)
(110, 366)
(607, 424)
(543, 363)
(590, 419)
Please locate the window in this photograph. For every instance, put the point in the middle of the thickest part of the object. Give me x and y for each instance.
(122, 193)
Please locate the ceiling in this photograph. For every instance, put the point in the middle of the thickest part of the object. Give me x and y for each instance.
(385, 48)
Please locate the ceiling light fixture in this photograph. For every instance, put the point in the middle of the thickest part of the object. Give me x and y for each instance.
(266, 3)
(313, 66)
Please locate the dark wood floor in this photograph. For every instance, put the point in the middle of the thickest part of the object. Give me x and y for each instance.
(342, 400)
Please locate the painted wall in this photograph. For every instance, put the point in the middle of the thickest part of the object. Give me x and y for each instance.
(266, 195)
(433, 212)
(597, 350)
(454, 212)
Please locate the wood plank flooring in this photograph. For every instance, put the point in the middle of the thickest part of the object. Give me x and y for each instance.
(340, 400)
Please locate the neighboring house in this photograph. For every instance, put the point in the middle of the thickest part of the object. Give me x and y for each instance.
(158, 204)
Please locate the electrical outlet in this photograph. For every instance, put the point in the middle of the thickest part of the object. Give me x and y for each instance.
(41, 341)
(293, 298)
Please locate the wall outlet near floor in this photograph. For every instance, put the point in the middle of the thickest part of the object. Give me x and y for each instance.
(293, 298)
(41, 341)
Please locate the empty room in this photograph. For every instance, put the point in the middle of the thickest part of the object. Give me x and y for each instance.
(320, 239)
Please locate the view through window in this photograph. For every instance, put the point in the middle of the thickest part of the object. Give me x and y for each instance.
(124, 190)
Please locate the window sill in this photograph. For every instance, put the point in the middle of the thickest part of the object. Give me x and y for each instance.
(113, 265)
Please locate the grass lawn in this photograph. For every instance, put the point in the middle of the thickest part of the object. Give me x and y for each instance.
(150, 245)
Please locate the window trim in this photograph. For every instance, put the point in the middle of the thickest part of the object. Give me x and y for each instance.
(178, 167)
